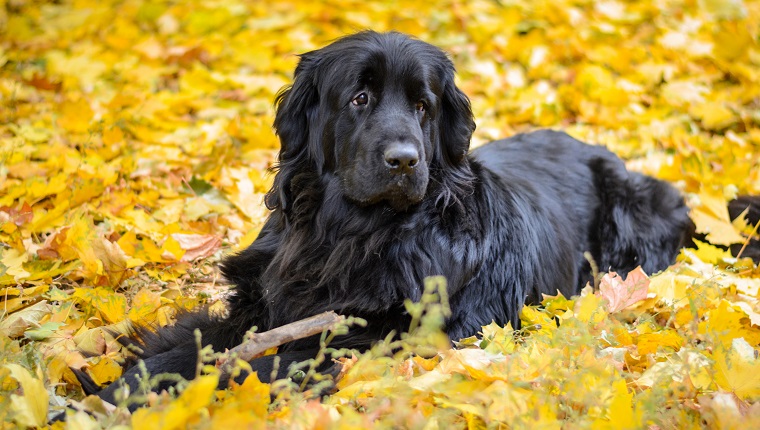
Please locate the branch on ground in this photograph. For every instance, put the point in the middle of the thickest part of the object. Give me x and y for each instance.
(257, 343)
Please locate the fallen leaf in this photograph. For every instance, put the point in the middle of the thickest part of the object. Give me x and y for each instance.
(177, 414)
(196, 245)
(29, 407)
(18, 322)
(620, 293)
(105, 371)
(13, 261)
(711, 217)
(736, 371)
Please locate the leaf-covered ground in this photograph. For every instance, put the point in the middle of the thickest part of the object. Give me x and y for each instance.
(134, 141)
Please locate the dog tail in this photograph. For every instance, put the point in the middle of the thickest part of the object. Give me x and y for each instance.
(145, 341)
(171, 349)
(736, 207)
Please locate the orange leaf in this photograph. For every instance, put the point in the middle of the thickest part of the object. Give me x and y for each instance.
(197, 245)
(619, 293)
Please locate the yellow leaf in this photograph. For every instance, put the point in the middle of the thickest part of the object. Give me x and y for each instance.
(113, 136)
(467, 361)
(247, 239)
(75, 116)
(178, 413)
(90, 341)
(251, 397)
(711, 217)
(170, 211)
(736, 371)
(197, 207)
(535, 319)
(598, 84)
(111, 305)
(648, 343)
(106, 370)
(144, 305)
(589, 307)
(714, 116)
(710, 253)
(621, 412)
(113, 260)
(661, 373)
(81, 420)
(725, 323)
(724, 9)
(500, 339)
(511, 402)
(623, 336)
(684, 93)
(698, 367)
(558, 305)
(29, 408)
(104, 263)
(732, 38)
(427, 364)
(12, 262)
(198, 81)
(754, 317)
(171, 250)
(671, 288)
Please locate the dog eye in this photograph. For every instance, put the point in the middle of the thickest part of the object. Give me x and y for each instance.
(420, 106)
(360, 100)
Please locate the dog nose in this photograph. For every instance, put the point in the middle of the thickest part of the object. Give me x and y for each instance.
(401, 157)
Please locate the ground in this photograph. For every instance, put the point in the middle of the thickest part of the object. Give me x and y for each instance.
(134, 141)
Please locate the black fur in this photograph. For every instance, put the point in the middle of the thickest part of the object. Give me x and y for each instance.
(351, 232)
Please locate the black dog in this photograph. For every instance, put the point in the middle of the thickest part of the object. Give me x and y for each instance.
(375, 190)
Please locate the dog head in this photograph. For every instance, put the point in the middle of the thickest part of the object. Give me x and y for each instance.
(377, 111)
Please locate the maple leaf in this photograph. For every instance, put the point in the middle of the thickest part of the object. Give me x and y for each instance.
(248, 405)
(620, 293)
(711, 217)
(737, 369)
(710, 253)
(621, 412)
(588, 307)
(177, 413)
(110, 305)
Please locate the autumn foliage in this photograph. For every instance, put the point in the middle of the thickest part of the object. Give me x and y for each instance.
(135, 138)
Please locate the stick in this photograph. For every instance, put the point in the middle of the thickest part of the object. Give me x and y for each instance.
(260, 342)
(749, 238)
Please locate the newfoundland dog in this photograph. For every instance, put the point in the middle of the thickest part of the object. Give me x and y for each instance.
(375, 190)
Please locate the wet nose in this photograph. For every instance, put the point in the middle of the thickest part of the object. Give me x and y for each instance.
(401, 157)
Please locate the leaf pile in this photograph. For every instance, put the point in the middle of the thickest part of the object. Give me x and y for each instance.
(134, 141)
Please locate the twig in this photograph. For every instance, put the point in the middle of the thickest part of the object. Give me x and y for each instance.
(260, 342)
(749, 238)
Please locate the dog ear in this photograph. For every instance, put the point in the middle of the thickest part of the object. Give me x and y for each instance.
(296, 108)
(456, 123)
